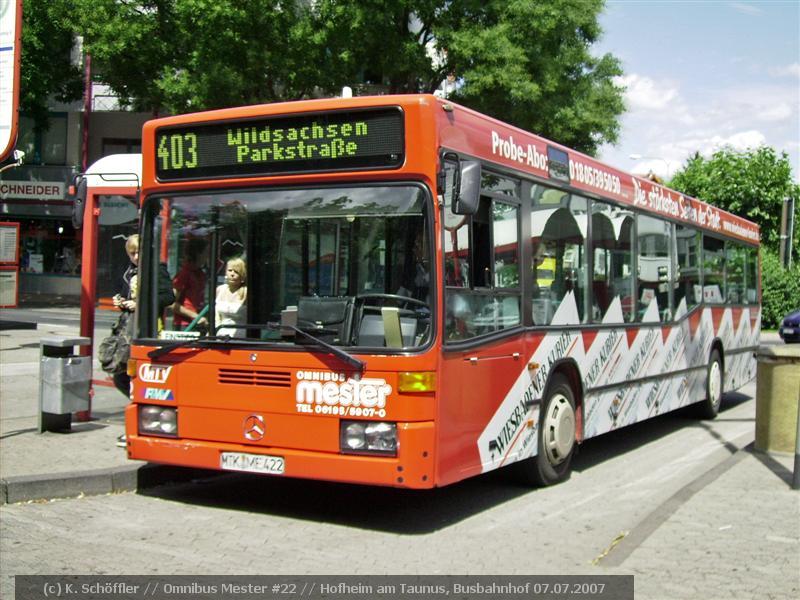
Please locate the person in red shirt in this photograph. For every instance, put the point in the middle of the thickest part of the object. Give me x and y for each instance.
(190, 286)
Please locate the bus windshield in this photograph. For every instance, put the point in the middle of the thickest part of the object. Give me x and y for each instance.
(350, 266)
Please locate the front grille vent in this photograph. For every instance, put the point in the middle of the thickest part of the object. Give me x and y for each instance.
(280, 379)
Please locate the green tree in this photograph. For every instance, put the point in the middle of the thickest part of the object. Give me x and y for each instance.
(529, 63)
(183, 55)
(780, 291)
(524, 61)
(46, 70)
(749, 183)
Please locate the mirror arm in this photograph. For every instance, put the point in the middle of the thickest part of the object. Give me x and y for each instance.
(442, 182)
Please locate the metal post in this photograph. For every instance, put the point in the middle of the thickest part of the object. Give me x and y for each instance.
(796, 475)
(87, 109)
(783, 234)
(89, 283)
(790, 230)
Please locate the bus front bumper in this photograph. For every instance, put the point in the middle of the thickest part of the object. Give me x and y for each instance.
(413, 467)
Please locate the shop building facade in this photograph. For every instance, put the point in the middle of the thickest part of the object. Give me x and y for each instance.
(35, 195)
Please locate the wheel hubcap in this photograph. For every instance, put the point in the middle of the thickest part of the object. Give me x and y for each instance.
(559, 429)
(715, 384)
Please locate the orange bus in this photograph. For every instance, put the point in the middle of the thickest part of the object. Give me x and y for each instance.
(400, 291)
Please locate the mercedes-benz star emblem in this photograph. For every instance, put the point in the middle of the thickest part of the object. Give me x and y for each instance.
(254, 428)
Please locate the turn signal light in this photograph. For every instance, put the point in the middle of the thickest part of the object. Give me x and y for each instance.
(131, 368)
(416, 381)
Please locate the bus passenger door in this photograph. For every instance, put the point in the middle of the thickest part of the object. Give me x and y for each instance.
(485, 393)
(483, 367)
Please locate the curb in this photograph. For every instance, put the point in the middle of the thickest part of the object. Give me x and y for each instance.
(26, 488)
(6, 325)
(71, 484)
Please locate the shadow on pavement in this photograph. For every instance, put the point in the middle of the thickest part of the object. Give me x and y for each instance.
(399, 511)
(610, 445)
(780, 471)
(18, 432)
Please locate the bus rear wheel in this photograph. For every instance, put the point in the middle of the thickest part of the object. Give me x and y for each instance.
(715, 376)
(552, 464)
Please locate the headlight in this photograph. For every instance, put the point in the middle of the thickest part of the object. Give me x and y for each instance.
(158, 420)
(368, 437)
(353, 436)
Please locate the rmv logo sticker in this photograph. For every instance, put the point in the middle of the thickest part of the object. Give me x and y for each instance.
(157, 394)
(154, 373)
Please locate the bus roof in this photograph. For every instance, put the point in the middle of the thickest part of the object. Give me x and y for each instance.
(473, 134)
(514, 148)
(116, 170)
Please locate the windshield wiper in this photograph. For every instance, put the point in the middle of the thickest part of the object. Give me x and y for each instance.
(166, 349)
(351, 360)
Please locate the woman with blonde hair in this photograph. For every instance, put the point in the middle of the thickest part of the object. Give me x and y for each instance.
(126, 301)
(229, 307)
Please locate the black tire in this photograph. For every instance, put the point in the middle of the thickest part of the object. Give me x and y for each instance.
(553, 462)
(715, 380)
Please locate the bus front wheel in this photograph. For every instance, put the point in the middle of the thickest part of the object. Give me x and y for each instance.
(552, 464)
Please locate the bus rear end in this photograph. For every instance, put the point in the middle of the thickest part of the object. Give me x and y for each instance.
(286, 318)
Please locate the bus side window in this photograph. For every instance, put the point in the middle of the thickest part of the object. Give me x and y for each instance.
(558, 262)
(713, 269)
(482, 264)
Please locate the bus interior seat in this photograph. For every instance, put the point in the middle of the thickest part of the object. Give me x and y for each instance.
(326, 317)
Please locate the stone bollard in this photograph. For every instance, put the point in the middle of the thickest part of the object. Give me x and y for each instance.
(777, 392)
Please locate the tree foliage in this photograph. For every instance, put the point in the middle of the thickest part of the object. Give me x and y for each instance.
(183, 55)
(527, 62)
(749, 183)
(780, 292)
(530, 63)
(46, 70)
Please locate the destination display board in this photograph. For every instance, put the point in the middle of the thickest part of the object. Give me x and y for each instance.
(330, 141)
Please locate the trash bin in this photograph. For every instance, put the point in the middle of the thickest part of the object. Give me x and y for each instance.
(777, 395)
(64, 379)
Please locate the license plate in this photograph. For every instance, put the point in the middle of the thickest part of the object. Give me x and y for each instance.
(788, 330)
(252, 463)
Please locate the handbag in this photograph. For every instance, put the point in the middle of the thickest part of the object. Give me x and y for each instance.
(115, 349)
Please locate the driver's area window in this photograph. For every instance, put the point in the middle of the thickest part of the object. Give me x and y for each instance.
(482, 263)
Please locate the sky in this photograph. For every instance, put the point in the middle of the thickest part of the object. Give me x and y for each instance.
(703, 74)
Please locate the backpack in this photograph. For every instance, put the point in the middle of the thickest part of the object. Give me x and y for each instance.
(115, 350)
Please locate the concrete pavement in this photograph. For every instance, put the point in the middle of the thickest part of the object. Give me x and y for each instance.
(742, 503)
(85, 460)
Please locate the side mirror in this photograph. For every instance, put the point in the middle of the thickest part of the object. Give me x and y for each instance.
(467, 195)
(78, 192)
